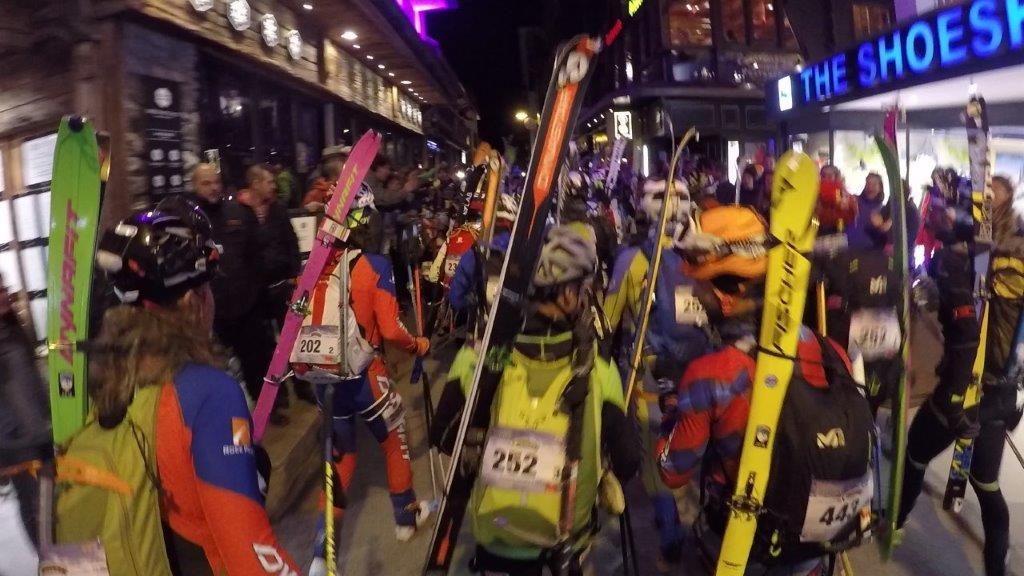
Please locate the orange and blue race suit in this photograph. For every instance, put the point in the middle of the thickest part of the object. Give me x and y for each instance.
(371, 397)
(210, 492)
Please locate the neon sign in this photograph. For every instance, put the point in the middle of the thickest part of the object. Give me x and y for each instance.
(416, 10)
(974, 36)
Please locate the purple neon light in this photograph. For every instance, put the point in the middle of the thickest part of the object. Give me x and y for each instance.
(416, 9)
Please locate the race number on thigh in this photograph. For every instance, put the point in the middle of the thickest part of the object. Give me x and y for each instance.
(833, 506)
(318, 345)
(523, 460)
(876, 333)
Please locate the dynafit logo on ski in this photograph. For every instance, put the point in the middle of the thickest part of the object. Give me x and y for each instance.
(346, 190)
(67, 286)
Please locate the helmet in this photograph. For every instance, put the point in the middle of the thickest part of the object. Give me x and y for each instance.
(654, 194)
(729, 241)
(157, 256)
(577, 184)
(568, 255)
(365, 229)
(508, 208)
(364, 197)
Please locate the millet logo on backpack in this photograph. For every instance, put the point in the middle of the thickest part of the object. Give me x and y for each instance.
(877, 285)
(834, 438)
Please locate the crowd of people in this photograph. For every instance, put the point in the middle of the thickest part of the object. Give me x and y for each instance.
(206, 278)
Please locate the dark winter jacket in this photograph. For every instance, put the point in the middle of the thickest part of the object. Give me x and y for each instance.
(863, 234)
(279, 247)
(240, 270)
(25, 433)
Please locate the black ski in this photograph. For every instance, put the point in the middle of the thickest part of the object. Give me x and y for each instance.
(572, 72)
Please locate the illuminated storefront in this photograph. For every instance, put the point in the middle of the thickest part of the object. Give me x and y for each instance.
(929, 67)
(236, 82)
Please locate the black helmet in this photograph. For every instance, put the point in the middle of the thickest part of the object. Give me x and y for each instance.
(158, 255)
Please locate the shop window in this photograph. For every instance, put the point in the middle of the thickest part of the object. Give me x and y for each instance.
(689, 23)
(734, 23)
(762, 23)
(870, 20)
(25, 225)
(856, 156)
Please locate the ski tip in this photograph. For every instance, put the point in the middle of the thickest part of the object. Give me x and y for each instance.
(76, 123)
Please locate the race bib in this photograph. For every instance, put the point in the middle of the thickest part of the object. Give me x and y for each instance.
(318, 345)
(523, 460)
(451, 263)
(832, 506)
(876, 333)
(689, 310)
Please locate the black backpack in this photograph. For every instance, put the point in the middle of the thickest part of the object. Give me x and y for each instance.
(820, 498)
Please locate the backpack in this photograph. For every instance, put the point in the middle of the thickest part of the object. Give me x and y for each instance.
(867, 293)
(516, 502)
(820, 495)
(320, 342)
(113, 493)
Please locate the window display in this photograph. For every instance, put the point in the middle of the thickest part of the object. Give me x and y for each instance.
(689, 23)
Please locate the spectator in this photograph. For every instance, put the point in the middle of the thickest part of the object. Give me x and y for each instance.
(871, 226)
(836, 209)
(327, 154)
(380, 171)
(238, 322)
(25, 436)
(323, 187)
(286, 183)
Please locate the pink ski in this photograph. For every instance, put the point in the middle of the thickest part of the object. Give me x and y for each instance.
(345, 191)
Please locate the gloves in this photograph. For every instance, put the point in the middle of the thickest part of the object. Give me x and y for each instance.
(422, 346)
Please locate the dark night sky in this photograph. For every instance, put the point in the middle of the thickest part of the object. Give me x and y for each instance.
(480, 40)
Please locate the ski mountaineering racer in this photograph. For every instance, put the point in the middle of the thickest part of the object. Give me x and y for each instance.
(358, 282)
(677, 334)
(515, 511)
(932, 431)
(823, 434)
(174, 426)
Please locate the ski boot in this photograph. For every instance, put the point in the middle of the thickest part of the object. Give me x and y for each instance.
(422, 510)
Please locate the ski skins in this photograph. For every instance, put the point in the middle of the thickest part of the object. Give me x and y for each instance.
(794, 195)
(331, 228)
(981, 196)
(74, 214)
(572, 72)
(898, 421)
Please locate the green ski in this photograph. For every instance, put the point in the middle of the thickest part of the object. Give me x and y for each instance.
(74, 215)
(898, 203)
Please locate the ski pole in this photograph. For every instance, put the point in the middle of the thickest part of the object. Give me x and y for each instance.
(419, 373)
(626, 527)
(652, 271)
(1013, 446)
(329, 553)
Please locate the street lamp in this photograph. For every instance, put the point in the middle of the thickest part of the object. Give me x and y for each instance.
(522, 116)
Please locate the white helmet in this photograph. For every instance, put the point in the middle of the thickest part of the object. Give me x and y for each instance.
(569, 254)
(654, 194)
(508, 208)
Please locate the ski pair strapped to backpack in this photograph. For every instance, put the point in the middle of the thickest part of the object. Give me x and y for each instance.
(331, 229)
(572, 72)
(794, 194)
(887, 146)
(981, 197)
